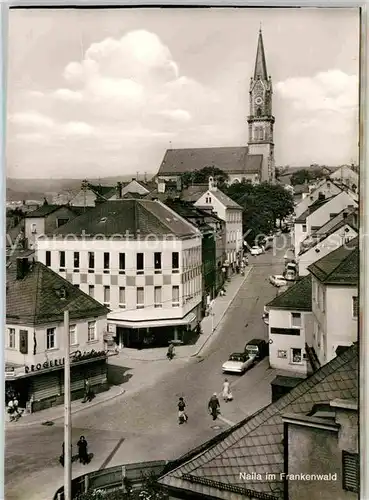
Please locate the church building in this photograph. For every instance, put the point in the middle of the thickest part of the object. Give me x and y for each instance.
(254, 162)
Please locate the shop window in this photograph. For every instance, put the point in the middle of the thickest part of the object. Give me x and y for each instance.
(296, 356)
(350, 471)
(73, 335)
(50, 338)
(91, 333)
(140, 263)
(11, 341)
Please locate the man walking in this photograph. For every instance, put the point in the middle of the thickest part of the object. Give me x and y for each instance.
(214, 406)
(182, 417)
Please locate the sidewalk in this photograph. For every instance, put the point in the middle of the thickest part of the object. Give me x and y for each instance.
(220, 307)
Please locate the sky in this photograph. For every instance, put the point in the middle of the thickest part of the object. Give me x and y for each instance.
(96, 93)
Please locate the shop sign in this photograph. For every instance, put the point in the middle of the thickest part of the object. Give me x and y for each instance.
(75, 357)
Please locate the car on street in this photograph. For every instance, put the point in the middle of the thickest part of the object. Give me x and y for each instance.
(258, 348)
(256, 250)
(238, 362)
(290, 272)
(277, 280)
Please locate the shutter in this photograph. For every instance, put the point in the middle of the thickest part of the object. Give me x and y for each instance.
(45, 386)
(350, 471)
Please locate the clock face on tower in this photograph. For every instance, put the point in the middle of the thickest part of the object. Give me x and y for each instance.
(258, 100)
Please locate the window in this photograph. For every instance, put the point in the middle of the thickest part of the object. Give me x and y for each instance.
(48, 258)
(304, 228)
(157, 297)
(62, 261)
(23, 341)
(73, 335)
(296, 355)
(157, 262)
(350, 471)
(76, 262)
(140, 263)
(285, 331)
(122, 263)
(61, 222)
(33, 228)
(106, 262)
(11, 338)
(50, 338)
(91, 290)
(106, 295)
(91, 262)
(175, 262)
(140, 298)
(175, 296)
(296, 319)
(122, 297)
(355, 307)
(91, 333)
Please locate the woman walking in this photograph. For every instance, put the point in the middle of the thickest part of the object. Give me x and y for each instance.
(82, 450)
(227, 395)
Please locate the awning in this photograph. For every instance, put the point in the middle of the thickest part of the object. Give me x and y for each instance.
(154, 323)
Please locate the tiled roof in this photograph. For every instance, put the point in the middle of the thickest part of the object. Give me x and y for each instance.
(43, 210)
(102, 190)
(256, 446)
(127, 217)
(312, 208)
(194, 215)
(35, 298)
(225, 200)
(297, 297)
(346, 217)
(194, 192)
(229, 159)
(340, 266)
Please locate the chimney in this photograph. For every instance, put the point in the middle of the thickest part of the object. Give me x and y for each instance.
(22, 267)
(133, 178)
(212, 184)
(119, 190)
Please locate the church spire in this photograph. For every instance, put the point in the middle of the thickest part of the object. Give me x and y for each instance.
(260, 64)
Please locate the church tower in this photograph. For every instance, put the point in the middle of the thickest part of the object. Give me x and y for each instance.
(261, 119)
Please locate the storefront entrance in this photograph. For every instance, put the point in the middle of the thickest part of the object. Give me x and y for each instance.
(140, 338)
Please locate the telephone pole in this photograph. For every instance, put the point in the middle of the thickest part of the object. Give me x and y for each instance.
(67, 414)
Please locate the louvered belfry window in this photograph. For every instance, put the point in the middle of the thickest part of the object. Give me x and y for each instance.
(350, 471)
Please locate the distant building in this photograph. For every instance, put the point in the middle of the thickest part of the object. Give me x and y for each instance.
(335, 302)
(346, 176)
(36, 298)
(254, 162)
(134, 187)
(311, 430)
(139, 258)
(314, 192)
(90, 195)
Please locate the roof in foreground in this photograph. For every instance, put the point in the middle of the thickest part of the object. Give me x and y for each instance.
(228, 159)
(255, 446)
(36, 298)
(128, 217)
(297, 297)
(340, 267)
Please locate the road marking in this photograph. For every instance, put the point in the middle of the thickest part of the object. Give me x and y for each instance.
(111, 455)
(225, 420)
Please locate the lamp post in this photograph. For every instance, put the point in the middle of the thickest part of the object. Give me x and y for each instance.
(67, 414)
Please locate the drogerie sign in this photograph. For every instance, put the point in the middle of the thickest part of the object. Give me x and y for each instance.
(75, 357)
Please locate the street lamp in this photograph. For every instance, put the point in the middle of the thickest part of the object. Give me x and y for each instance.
(67, 414)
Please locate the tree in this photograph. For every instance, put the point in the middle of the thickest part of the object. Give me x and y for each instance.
(305, 174)
(202, 176)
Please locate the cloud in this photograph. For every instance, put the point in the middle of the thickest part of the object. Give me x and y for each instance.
(180, 115)
(77, 128)
(67, 95)
(31, 119)
(332, 90)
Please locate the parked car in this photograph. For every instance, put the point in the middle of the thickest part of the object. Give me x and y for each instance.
(238, 362)
(277, 280)
(290, 272)
(258, 348)
(256, 250)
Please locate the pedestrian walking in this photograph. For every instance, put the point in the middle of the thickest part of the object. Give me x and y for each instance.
(214, 406)
(82, 450)
(170, 353)
(227, 394)
(182, 416)
(62, 456)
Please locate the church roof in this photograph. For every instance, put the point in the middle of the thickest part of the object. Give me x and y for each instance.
(232, 160)
(260, 63)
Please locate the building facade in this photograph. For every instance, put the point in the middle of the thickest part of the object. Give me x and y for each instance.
(35, 336)
(326, 188)
(140, 259)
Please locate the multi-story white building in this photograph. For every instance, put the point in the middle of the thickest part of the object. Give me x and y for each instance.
(335, 301)
(35, 339)
(326, 188)
(319, 213)
(140, 259)
(290, 326)
(336, 232)
(230, 212)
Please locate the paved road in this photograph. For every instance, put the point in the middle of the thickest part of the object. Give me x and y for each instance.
(143, 425)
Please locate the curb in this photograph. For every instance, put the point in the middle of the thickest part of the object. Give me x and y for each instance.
(224, 313)
(73, 412)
